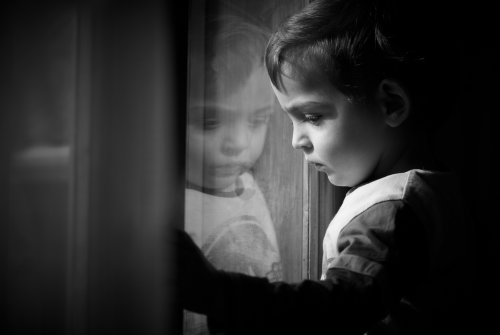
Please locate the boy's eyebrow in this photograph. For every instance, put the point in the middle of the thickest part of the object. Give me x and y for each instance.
(211, 107)
(299, 106)
(264, 110)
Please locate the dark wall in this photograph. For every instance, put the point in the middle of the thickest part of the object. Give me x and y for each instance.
(91, 161)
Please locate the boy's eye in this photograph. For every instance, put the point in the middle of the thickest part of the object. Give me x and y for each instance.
(204, 119)
(312, 118)
(258, 120)
(211, 118)
(210, 123)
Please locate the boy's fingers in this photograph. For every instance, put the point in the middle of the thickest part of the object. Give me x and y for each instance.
(196, 275)
(186, 248)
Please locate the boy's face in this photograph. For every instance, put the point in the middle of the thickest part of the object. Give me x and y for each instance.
(342, 138)
(227, 131)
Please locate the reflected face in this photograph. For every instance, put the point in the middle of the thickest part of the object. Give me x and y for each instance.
(227, 131)
(341, 138)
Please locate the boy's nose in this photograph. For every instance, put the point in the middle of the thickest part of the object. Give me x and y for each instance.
(235, 141)
(300, 140)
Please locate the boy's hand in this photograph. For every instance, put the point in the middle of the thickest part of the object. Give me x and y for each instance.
(198, 280)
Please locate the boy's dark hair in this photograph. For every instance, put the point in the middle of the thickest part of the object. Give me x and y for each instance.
(357, 43)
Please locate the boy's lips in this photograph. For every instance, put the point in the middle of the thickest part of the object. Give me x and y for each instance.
(318, 166)
(227, 170)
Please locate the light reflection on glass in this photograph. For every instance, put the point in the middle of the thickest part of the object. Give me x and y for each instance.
(226, 212)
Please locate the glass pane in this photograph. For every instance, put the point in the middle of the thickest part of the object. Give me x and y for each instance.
(244, 181)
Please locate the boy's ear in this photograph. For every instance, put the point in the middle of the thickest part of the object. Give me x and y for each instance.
(394, 101)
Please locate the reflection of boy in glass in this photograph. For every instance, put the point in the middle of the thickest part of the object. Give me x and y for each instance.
(226, 213)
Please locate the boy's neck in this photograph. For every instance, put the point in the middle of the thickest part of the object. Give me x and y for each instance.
(408, 156)
(233, 190)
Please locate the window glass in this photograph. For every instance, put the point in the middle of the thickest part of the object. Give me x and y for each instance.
(244, 182)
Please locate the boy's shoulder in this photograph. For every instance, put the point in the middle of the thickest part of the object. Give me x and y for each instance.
(375, 205)
(421, 190)
(405, 186)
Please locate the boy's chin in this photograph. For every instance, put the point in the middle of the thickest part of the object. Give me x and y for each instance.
(336, 180)
(333, 180)
(222, 184)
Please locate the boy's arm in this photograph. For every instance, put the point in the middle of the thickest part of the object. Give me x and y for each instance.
(345, 303)
(350, 300)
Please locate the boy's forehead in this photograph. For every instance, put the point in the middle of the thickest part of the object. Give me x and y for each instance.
(297, 92)
(304, 79)
(238, 95)
(229, 112)
(226, 86)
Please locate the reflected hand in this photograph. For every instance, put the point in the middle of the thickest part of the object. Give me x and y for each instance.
(198, 280)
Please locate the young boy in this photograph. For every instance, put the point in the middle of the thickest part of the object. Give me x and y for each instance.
(355, 78)
(226, 213)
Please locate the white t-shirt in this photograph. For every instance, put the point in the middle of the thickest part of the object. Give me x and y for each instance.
(235, 232)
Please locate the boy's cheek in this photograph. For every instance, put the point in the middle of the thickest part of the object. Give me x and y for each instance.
(258, 141)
